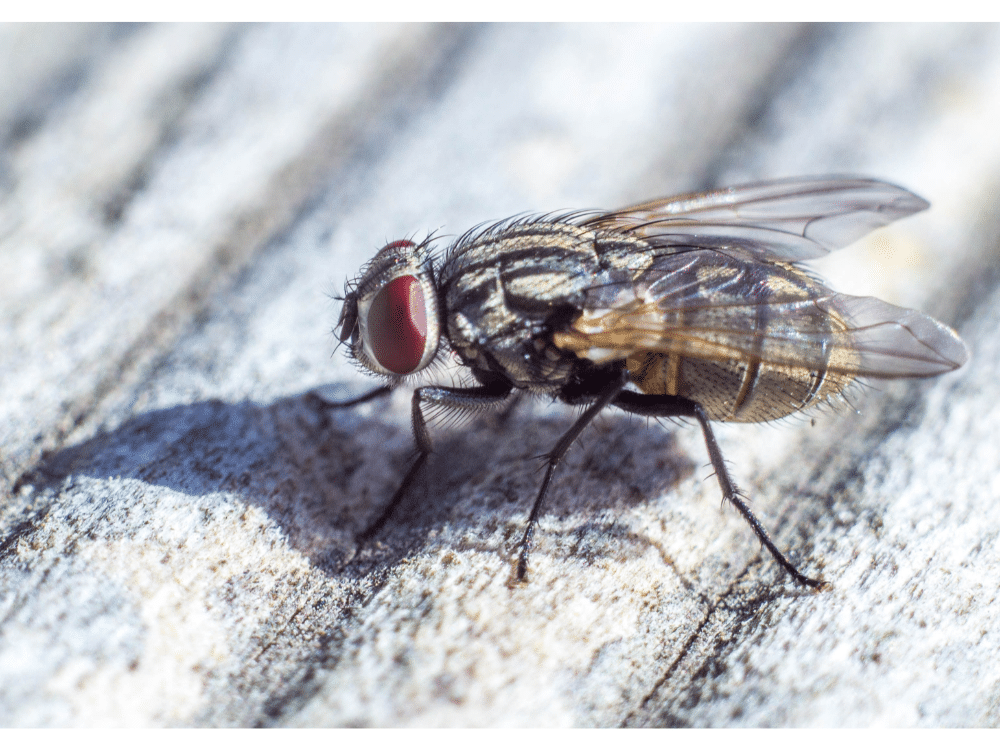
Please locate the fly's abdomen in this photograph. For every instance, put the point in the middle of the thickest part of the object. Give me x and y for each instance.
(746, 341)
(735, 390)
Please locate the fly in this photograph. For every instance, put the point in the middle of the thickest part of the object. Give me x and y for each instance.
(692, 306)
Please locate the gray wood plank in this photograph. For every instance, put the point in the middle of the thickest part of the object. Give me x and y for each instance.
(176, 534)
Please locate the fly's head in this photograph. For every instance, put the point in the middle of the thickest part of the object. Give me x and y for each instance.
(390, 315)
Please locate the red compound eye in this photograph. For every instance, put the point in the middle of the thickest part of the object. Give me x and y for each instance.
(397, 325)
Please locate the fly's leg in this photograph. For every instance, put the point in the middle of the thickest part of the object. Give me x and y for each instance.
(652, 405)
(606, 396)
(465, 399)
(382, 390)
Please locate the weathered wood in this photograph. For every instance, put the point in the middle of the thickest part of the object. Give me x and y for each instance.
(178, 512)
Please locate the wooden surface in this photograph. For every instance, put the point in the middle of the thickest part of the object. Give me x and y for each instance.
(178, 205)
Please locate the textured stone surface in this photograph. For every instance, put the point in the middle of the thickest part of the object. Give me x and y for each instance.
(177, 512)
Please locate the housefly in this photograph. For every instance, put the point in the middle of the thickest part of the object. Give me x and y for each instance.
(691, 306)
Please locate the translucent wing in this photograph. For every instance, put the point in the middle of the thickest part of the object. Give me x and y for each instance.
(706, 304)
(783, 220)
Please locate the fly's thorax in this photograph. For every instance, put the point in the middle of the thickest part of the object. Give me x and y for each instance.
(522, 356)
(508, 288)
(391, 315)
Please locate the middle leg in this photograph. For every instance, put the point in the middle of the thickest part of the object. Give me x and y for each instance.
(610, 390)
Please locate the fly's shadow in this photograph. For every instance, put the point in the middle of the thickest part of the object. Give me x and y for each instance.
(477, 485)
(322, 475)
(284, 458)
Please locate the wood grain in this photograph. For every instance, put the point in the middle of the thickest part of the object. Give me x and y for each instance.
(179, 203)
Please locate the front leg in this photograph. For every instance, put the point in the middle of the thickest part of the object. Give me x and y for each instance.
(464, 399)
(652, 405)
(382, 390)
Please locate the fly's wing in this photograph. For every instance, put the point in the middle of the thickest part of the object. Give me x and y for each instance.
(895, 342)
(696, 305)
(782, 220)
